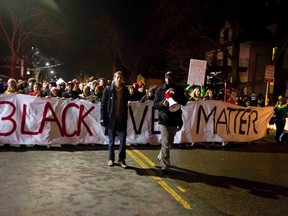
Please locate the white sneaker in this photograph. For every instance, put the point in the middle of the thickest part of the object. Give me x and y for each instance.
(159, 157)
(110, 163)
(123, 164)
(280, 137)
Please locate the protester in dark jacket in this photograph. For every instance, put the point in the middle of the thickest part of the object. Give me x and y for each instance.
(169, 121)
(113, 115)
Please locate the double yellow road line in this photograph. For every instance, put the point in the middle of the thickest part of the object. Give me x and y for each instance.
(138, 157)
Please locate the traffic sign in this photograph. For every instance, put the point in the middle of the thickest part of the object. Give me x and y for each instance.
(269, 73)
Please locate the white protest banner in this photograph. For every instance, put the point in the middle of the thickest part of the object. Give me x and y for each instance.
(30, 120)
(197, 71)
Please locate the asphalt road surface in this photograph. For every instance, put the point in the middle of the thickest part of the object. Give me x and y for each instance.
(241, 179)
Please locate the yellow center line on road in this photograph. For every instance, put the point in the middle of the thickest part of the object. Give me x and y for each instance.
(151, 163)
(181, 189)
(154, 175)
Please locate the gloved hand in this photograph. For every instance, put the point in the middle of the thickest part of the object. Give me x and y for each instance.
(103, 123)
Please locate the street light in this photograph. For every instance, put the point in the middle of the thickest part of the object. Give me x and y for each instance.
(40, 63)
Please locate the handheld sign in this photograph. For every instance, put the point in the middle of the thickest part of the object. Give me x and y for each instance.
(197, 71)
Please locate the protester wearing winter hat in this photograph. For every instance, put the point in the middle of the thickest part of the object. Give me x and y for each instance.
(53, 92)
(169, 120)
(253, 100)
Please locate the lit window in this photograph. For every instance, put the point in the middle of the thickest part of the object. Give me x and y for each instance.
(274, 50)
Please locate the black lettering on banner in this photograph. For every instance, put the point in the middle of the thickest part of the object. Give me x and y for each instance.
(229, 118)
(254, 120)
(154, 119)
(243, 121)
(238, 110)
(240, 120)
(222, 122)
(138, 131)
(206, 118)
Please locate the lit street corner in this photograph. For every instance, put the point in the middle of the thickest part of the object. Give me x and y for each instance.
(244, 179)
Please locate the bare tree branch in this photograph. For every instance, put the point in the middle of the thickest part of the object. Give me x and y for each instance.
(21, 20)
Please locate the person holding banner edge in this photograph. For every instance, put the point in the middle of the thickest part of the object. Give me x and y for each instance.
(169, 117)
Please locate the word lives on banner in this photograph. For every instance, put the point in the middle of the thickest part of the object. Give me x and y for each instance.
(29, 120)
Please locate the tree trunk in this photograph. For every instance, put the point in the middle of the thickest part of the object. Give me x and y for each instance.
(13, 64)
(37, 73)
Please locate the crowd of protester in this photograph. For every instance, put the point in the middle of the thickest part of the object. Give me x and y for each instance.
(93, 91)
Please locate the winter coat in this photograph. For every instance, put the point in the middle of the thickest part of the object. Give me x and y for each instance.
(108, 108)
(165, 117)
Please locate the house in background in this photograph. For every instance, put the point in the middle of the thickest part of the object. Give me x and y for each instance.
(256, 51)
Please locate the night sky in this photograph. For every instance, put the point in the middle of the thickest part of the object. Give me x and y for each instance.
(85, 47)
(96, 31)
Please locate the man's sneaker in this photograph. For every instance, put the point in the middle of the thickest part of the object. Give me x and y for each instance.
(110, 163)
(123, 164)
(281, 137)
